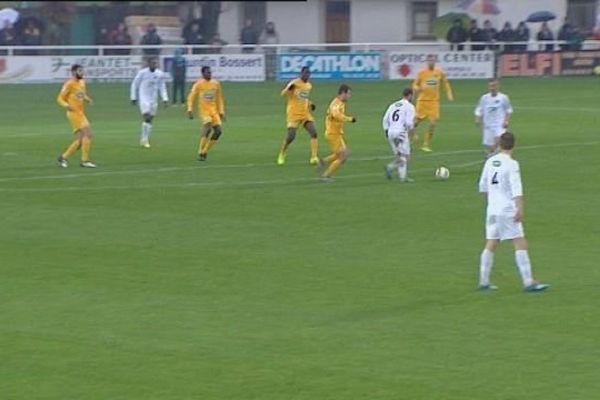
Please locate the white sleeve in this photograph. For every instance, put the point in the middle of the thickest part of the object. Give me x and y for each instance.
(135, 86)
(386, 119)
(479, 108)
(507, 105)
(516, 186)
(483, 180)
(163, 88)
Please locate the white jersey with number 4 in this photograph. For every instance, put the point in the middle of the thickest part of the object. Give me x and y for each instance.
(145, 88)
(501, 180)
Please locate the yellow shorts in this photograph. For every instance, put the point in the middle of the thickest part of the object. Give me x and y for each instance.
(214, 119)
(428, 109)
(295, 122)
(336, 142)
(77, 121)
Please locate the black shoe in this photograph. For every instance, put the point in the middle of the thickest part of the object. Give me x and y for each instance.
(201, 157)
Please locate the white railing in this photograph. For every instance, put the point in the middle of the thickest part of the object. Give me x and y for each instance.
(531, 45)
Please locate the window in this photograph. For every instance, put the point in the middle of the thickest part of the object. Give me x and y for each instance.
(582, 13)
(255, 11)
(422, 17)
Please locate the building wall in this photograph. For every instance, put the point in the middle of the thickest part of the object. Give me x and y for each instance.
(379, 21)
(298, 22)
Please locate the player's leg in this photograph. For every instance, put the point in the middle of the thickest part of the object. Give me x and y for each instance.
(182, 93)
(204, 138)
(314, 143)
(341, 152)
(146, 131)
(216, 134)
(86, 145)
(289, 138)
(524, 266)
(433, 114)
(486, 260)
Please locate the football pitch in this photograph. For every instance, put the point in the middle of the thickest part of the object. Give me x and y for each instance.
(158, 277)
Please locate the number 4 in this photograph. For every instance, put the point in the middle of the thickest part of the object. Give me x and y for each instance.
(494, 180)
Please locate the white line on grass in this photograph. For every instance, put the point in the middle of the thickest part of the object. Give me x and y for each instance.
(254, 165)
(263, 182)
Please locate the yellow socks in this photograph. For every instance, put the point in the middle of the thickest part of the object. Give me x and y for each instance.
(203, 142)
(86, 143)
(427, 138)
(208, 146)
(314, 147)
(73, 147)
(334, 166)
(330, 158)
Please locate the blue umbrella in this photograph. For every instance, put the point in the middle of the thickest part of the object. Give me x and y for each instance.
(541, 16)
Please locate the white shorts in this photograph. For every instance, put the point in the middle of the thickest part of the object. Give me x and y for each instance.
(147, 107)
(491, 134)
(399, 143)
(503, 227)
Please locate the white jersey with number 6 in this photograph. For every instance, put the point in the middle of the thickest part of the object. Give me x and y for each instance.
(501, 180)
(145, 88)
(397, 121)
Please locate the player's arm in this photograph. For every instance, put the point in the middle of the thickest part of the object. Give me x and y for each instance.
(509, 111)
(287, 90)
(63, 96)
(133, 90)
(385, 122)
(479, 111)
(338, 115)
(483, 181)
(447, 88)
(516, 188)
(220, 101)
(190, 100)
(409, 119)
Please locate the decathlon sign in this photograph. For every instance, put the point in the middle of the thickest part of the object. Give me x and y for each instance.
(330, 65)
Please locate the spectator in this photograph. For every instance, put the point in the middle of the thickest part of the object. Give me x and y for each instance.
(151, 38)
(576, 39)
(476, 35)
(248, 36)
(8, 36)
(522, 34)
(507, 34)
(31, 36)
(566, 33)
(104, 37)
(194, 38)
(217, 43)
(489, 34)
(457, 35)
(120, 37)
(270, 36)
(544, 35)
(178, 72)
(597, 27)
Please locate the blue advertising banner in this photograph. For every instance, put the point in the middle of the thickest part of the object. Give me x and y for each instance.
(334, 66)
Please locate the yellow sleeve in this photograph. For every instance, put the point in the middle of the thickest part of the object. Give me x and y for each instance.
(417, 82)
(220, 100)
(447, 88)
(338, 115)
(286, 91)
(192, 97)
(63, 95)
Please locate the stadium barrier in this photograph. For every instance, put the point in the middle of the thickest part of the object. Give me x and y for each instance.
(332, 61)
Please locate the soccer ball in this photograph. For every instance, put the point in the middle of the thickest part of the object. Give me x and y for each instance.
(597, 70)
(442, 173)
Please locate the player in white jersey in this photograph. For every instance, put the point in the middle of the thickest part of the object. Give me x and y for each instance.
(398, 124)
(501, 183)
(493, 111)
(145, 88)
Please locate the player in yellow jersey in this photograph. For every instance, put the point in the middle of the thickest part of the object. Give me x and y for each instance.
(297, 93)
(334, 132)
(427, 88)
(72, 98)
(211, 107)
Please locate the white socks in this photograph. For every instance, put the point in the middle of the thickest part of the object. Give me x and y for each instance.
(524, 265)
(402, 170)
(146, 131)
(485, 267)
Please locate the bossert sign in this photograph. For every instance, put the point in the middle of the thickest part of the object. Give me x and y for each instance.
(330, 65)
(32, 69)
(456, 64)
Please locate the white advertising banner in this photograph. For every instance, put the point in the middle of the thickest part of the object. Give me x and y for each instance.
(47, 69)
(456, 64)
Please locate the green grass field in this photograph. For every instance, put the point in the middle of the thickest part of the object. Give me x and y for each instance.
(157, 277)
